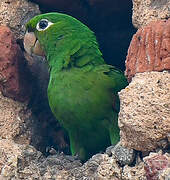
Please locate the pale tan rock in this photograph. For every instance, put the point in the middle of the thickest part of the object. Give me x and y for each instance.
(15, 13)
(144, 117)
(134, 173)
(9, 152)
(165, 174)
(14, 120)
(108, 169)
(145, 11)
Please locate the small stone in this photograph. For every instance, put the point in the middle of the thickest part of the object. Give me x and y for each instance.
(123, 155)
(109, 150)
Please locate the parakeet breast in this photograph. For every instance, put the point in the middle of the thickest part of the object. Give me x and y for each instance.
(80, 98)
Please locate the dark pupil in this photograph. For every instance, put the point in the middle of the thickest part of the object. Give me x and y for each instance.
(43, 24)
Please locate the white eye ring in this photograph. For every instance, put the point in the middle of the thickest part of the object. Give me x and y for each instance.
(43, 24)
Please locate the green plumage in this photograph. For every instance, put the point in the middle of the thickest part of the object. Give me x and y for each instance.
(83, 89)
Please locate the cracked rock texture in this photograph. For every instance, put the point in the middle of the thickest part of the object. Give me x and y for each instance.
(149, 49)
(144, 117)
(15, 14)
(145, 11)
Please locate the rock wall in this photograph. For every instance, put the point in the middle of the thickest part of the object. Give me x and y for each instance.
(144, 117)
(27, 125)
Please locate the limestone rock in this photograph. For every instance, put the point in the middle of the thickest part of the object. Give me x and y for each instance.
(149, 49)
(157, 166)
(144, 117)
(15, 13)
(145, 11)
(14, 75)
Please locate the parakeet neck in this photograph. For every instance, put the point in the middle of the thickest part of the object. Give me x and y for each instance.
(73, 52)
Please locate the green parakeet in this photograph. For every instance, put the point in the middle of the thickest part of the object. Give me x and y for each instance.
(82, 89)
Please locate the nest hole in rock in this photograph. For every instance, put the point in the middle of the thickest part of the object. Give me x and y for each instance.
(112, 24)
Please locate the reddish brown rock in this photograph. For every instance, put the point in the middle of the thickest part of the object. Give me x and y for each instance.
(13, 72)
(149, 49)
(155, 164)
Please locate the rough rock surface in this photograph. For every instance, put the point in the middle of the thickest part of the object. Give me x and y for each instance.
(15, 13)
(28, 163)
(157, 166)
(134, 173)
(14, 75)
(15, 120)
(144, 117)
(145, 11)
(122, 154)
(149, 49)
(9, 152)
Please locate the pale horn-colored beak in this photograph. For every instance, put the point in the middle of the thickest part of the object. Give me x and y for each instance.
(32, 45)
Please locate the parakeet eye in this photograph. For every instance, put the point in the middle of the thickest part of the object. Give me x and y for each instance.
(43, 24)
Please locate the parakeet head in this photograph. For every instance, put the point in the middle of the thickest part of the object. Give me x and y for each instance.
(62, 39)
(46, 31)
